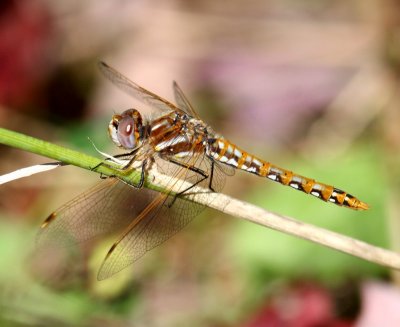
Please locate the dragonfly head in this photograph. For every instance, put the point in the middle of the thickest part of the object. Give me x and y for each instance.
(126, 129)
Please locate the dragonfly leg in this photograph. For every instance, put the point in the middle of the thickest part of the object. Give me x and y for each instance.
(102, 176)
(128, 154)
(121, 155)
(190, 167)
(196, 170)
(126, 167)
(211, 177)
(142, 175)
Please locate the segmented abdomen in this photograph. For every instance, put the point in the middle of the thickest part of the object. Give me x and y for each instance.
(228, 153)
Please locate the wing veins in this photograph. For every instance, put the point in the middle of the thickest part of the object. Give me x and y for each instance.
(182, 101)
(106, 269)
(135, 90)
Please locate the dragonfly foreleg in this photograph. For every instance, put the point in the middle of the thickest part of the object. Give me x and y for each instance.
(128, 154)
(142, 175)
(117, 156)
(132, 156)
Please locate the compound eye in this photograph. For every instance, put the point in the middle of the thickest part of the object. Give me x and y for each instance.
(126, 132)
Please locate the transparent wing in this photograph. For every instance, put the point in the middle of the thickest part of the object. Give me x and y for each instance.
(165, 216)
(182, 102)
(106, 208)
(144, 218)
(225, 169)
(135, 90)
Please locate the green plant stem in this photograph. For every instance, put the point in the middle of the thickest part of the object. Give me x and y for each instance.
(68, 156)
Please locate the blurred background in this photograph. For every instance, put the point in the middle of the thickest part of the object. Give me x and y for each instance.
(312, 86)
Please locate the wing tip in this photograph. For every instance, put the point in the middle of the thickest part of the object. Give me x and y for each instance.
(49, 219)
(101, 63)
(101, 275)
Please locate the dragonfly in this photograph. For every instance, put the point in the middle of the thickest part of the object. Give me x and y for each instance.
(181, 146)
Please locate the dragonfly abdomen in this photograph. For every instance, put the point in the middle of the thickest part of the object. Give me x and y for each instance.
(228, 153)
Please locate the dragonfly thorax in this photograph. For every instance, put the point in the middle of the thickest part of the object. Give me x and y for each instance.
(126, 129)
